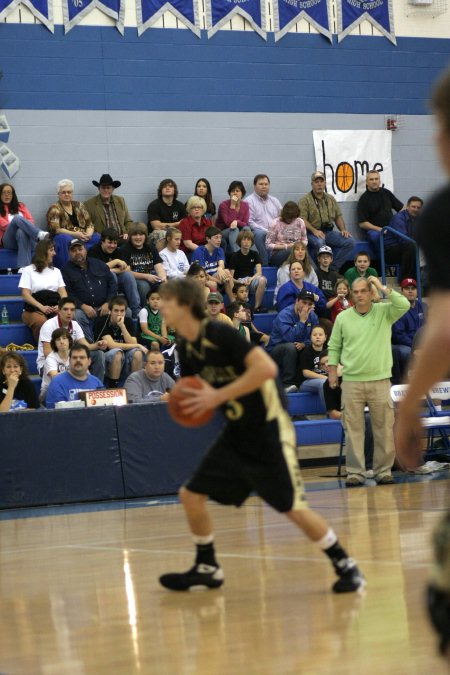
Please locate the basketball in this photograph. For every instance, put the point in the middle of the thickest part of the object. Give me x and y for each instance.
(175, 409)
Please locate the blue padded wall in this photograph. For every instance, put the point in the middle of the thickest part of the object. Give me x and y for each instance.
(95, 68)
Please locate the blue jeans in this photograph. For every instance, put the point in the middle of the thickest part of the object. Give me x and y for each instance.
(126, 283)
(286, 357)
(400, 357)
(21, 236)
(342, 247)
(260, 244)
(127, 356)
(314, 386)
(62, 241)
(278, 257)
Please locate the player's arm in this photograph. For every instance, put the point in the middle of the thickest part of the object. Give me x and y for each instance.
(432, 365)
(259, 368)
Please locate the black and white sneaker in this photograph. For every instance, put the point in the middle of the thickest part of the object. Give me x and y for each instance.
(350, 578)
(199, 577)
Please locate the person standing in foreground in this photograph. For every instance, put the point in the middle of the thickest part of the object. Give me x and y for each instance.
(433, 361)
(240, 378)
(361, 342)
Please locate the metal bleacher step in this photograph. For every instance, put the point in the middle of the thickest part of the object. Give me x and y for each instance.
(9, 284)
(14, 307)
(17, 333)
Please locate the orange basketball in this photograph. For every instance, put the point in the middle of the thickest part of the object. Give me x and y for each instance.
(177, 395)
(344, 176)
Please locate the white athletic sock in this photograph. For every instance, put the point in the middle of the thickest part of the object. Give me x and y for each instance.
(328, 540)
(202, 541)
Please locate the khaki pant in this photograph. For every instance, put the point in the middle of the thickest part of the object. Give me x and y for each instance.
(376, 395)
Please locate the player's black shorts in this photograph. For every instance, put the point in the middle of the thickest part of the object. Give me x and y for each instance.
(237, 465)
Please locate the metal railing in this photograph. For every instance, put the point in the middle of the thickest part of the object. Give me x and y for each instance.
(382, 257)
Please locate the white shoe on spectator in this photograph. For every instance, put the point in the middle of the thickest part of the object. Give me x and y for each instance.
(42, 235)
(292, 389)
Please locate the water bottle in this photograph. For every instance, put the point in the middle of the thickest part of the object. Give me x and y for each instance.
(5, 315)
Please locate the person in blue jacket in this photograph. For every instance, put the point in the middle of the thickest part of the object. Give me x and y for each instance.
(404, 330)
(397, 250)
(291, 332)
(288, 292)
(67, 385)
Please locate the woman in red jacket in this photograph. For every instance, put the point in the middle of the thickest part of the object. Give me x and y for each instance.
(17, 229)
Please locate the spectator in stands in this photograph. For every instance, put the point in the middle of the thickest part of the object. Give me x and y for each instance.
(333, 406)
(234, 214)
(164, 211)
(324, 222)
(291, 332)
(193, 227)
(289, 291)
(211, 257)
(65, 319)
(300, 253)
(17, 229)
(153, 327)
(90, 283)
(42, 288)
(284, 232)
(341, 300)
(361, 342)
(143, 260)
(246, 268)
(240, 293)
(66, 386)
(238, 315)
(17, 391)
(263, 210)
(123, 353)
(397, 251)
(405, 329)
(107, 210)
(150, 383)
(214, 308)
(361, 269)
(327, 277)
(126, 282)
(311, 375)
(375, 207)
(203, 189)
(197, 272)
(68, 219)
(174, 260)
(58, 359)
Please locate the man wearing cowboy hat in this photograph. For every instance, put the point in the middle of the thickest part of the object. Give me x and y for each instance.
(108, 211)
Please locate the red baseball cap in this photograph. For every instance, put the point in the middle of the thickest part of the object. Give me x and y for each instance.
(408, 282)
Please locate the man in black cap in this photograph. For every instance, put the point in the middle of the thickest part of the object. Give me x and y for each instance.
(108, 211)
(291, 332)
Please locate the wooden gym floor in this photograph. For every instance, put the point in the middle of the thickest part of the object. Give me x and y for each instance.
(79, 591)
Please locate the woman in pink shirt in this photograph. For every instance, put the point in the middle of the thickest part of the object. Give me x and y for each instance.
(17, 229)
(284, 232)
(233, 215)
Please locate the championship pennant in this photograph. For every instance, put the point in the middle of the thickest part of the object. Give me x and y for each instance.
(75, 10)
(288, 12)
(149, 11)
(219, 12)
(378, 12)
(41, 9)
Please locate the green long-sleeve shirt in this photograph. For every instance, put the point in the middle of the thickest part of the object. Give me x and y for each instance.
(363, 343)
(352, 274)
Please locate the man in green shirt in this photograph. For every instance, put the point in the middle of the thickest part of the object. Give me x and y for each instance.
(361, 342)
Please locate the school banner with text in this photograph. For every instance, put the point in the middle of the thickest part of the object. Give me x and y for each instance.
(220, 12)
(378, 12)
(42, 10)
(75, 10)
(149, 11)
(287, 13)
(346, 156)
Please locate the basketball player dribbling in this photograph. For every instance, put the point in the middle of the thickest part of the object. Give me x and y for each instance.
(256, 450)
(433, 362)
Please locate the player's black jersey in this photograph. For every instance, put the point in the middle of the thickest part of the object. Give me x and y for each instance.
(218, 357)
